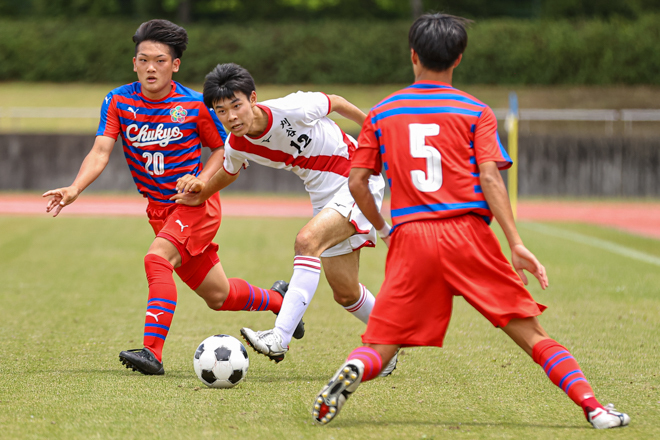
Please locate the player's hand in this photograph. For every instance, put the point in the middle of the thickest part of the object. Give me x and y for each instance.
(188, 198)
(60, 197)
(386, 240)
(189, 184)
(522, 258)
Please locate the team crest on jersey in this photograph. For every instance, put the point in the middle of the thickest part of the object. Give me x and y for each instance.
(179, 114)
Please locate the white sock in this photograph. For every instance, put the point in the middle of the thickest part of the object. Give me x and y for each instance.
(362, 308)
(303, 284)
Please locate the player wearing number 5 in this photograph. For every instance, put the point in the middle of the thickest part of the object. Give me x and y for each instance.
(440, 149)
(163, 126)
(294, 133)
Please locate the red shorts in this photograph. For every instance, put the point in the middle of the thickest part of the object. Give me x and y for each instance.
(428, 263)
(191, 230)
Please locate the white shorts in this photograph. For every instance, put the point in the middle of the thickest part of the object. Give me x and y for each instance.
(343, 203)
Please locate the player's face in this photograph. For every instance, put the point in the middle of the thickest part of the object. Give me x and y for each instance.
(154, 66)
(236, 113)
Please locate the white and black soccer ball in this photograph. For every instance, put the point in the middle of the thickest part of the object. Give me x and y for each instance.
(221, 361)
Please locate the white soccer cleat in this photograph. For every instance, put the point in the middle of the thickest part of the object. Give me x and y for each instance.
(332, 397)
(391, 366)
(266, 342)
(608, 418)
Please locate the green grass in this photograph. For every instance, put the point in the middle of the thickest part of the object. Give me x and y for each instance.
(73, 295)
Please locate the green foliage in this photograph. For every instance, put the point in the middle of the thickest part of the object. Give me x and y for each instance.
(615, 51)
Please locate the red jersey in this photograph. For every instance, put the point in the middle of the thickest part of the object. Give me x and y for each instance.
(162, 139)
(430, 138)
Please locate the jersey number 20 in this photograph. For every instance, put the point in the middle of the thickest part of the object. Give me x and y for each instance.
(431, 179)
(158, 162)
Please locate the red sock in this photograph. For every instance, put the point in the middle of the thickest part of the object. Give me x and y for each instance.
(563, 370)
(372, 361)
(161, 303)
(244, 296)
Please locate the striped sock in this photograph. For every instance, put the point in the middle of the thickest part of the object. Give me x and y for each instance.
(362, 307)
(244, 296)
(371, 360)
(563, 370)
(303, 284)
(161, 303)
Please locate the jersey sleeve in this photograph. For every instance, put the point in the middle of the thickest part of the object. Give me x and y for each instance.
(109, 125)
(368, 151)
(315, 105)
(234, 160)
(487, 145)
(211, 132)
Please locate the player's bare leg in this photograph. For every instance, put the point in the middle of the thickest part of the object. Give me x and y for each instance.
(363, 364)
(563, 370)
(215, 287)
(342, 275)
(325, 230)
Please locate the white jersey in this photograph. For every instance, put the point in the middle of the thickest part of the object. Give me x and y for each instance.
(299, 138)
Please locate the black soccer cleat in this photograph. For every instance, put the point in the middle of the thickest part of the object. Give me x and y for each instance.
(142, 360)
(281, 287)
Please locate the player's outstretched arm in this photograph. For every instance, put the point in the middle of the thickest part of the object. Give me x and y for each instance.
(346, 109)
(497, 198)
(358, 184)
(92, 167)
(221, 179)
(191, 183)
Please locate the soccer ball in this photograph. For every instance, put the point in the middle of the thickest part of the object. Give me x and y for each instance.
(221, 361)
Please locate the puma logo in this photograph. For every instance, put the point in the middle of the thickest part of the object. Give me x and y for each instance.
(154, 316)
(107, 99)
(130, 109)
(181, 224)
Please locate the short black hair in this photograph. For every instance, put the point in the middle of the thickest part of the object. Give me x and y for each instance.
(224, 81)
(165, 32)
(439, 39)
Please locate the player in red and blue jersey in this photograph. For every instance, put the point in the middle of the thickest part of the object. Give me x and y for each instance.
(163, 126)
(442, 156)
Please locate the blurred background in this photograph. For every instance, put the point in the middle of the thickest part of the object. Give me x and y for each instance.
(586, 75)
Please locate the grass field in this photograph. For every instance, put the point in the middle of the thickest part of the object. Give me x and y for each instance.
(364, 96)
(73, 295)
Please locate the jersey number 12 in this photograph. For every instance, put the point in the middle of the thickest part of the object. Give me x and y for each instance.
(431, 179)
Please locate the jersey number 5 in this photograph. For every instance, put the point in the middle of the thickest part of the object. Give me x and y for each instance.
(431, 179)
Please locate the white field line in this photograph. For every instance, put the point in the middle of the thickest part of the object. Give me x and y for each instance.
(592, 241)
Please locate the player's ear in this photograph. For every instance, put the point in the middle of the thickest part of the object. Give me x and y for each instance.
(458, 61)
(134, 65)
(253, 97)
(175, 64)
(413, 56)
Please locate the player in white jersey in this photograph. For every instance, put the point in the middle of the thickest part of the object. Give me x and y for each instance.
(294, 133)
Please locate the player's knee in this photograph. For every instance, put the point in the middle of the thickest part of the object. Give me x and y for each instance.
(346, 297)
(307, 244)
(215, 302)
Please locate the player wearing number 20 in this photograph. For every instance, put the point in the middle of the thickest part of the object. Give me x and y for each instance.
(440, 149)
(163, 126)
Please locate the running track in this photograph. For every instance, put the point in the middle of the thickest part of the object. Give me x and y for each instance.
(641, 218)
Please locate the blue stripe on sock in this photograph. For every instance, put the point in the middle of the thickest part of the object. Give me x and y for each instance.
(160, 308)
(262, 298)
(552, 357)
(155, 335)
(561, 382)
(267, 299)
(558, 362)
(572, 382)
(162, 300)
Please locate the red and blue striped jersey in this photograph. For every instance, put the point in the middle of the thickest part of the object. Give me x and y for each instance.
(430, 138)
(162, 139)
